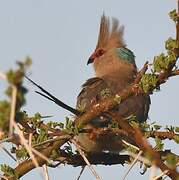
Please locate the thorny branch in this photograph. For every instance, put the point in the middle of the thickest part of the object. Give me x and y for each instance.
(105, 106)
(143, 145)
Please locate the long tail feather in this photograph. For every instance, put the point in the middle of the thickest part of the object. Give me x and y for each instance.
(50, 97)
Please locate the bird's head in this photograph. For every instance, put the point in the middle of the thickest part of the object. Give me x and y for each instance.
(111, 51)
(96, 55)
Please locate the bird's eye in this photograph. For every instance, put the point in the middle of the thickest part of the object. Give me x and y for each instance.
(100, 52)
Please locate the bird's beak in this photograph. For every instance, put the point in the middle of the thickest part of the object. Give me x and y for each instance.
(91, 59)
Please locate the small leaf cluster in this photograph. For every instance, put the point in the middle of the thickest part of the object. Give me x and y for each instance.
(162, 61)
(81, 107)
(36, 120)
(173, 129)
(171, 160)
(5, 108)
(105, 93)
(173, 15)
(148, 82)
(159, 144)
(70, 128)
(150, 127)
(8, 171)
(15, 78)
(55, 125)
(21, 153)
(40, 137)
(117, 99)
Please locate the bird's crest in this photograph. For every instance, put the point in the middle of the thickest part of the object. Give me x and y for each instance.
(110, 34)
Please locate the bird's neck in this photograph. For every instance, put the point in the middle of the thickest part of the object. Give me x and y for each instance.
(118, 80)
(127, 72)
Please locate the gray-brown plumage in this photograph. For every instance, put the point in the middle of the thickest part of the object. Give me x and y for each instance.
(115, 69)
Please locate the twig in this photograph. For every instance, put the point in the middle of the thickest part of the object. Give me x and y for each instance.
(2, 76)
(13, 109)
(6, 139)
(37, 152)
(46, 172)
(30, 139)
(141, 159)
(53, 98)
(3, 177)
(81, 172)
(177, 24)
(23, 141)
(28, 165)
(132, 165)
(175, 72)
(130, 145)
(60, 137)
(41, 155)
(141, 73)
(160, 175)
(161, 134)
(153, 172)
(86, 160)
(1, 135)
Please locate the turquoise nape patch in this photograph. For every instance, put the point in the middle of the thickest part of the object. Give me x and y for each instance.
(126, 54)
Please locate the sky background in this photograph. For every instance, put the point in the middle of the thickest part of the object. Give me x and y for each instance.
(60, 35)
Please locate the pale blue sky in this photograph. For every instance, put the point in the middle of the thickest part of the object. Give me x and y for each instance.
(61, 35)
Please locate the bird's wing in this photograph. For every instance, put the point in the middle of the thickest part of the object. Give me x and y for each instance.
(92, 91)
(95, 89)
(137, 106)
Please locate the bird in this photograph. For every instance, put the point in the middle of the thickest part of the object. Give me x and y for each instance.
(115, 69)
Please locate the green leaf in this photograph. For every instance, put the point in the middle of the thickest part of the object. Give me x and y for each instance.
(159, 144)
(21, 153)
(54, 154)
(170, 44)
(176, 129)
(117, 99)
(170, 128)
(176, 139)
(173, 15)
(105, 93)
(162, 61)
(171, 160)
(81, 107)
(157, 127)
(52, 124)
(148, 82)
(5, 108)
(70, 127)
(43, 136)
(8, 171)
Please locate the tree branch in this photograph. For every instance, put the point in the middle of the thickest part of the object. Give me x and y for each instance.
(28, 165)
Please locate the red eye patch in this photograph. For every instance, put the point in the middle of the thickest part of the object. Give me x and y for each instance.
(99, 52)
